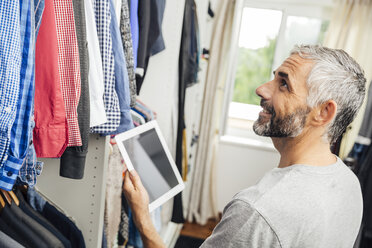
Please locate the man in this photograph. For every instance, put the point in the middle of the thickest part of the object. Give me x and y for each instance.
(312, 199)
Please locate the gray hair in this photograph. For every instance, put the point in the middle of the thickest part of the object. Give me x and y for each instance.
(334, 76)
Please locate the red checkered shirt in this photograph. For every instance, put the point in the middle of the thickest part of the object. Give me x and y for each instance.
(69, 66)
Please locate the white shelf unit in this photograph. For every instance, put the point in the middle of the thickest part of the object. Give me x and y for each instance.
(82, 200)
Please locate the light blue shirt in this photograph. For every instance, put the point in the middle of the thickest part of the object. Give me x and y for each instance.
(121, 75)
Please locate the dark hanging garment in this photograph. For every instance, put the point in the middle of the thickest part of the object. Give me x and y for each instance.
(46, 236)
(149, 31)
(361, 155)
(28, 229)
(73, 159)
(159, 43)
(15, 229)
(359, 152)
(27, 209)
(64, 225)
(187, 73)
(365, 176)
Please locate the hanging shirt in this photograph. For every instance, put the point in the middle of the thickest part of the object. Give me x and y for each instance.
(31, 168)
(19, 100)
(117, 6)
(115, 170)
(24, 124)
(159, 45)
(134, 28)
(96, 86)
(126, 38)
(10, 65)
(121, 76)
(73, 159)
(110, 98)
(50, 132)
(69, 66)
(149, 31)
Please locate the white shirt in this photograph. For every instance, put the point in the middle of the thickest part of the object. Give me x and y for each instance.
(96, 83)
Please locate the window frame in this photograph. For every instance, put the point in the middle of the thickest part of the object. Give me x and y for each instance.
(315, 9)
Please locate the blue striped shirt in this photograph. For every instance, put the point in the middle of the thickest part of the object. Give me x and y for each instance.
(20, 131)
(32, 168)
(10, 64)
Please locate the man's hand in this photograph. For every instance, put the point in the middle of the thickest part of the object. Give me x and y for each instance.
(138, 200)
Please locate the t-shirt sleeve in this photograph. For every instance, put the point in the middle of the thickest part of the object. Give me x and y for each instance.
(242, 226)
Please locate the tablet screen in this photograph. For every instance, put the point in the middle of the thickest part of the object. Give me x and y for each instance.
(151, 163)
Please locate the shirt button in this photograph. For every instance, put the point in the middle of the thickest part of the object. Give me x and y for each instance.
(5, 157)
(9, 174)
(8, 109)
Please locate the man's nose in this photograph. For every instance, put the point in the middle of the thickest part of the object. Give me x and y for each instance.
(265, 90)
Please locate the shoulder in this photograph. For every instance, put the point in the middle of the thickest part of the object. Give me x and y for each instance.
(242, 226)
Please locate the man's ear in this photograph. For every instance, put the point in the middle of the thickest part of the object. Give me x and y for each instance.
(324, 113)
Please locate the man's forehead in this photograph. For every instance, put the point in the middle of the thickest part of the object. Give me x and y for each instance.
(295, 63)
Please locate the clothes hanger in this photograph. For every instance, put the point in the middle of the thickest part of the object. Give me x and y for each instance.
(5, 194)
(2, 203)
(14, 197)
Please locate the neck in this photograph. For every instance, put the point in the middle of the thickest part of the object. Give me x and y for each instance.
(304, 149)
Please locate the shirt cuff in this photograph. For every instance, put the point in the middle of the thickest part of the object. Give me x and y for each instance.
(9, 172)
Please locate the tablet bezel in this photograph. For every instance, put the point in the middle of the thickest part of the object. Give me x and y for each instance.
(141, 129)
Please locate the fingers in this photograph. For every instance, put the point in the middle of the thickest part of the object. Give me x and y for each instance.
(135, 179)
(128, 185)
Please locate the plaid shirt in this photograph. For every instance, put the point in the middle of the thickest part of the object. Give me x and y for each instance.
(69, 66)
(20, 131)
(10, 63)
(121, 75)
(31, 168)
(110, 98)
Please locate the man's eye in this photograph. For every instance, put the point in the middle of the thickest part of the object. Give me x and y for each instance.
(283, 83)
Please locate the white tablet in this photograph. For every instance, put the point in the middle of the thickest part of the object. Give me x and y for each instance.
(144, 149)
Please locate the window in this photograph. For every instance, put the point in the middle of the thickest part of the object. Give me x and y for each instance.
(257, 40)
(268, 31)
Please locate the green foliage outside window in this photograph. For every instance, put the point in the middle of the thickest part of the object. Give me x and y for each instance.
(254, 69)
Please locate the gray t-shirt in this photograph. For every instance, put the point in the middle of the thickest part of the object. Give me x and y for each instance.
(297, 206)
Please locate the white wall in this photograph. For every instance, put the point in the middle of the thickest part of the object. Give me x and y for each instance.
(239, 166)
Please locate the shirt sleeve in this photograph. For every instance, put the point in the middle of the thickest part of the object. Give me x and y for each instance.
(242, 226)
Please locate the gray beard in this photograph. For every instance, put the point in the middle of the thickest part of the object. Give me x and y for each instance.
(288, 126)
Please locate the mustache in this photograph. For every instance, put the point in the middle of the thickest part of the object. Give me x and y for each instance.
(267, 106)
